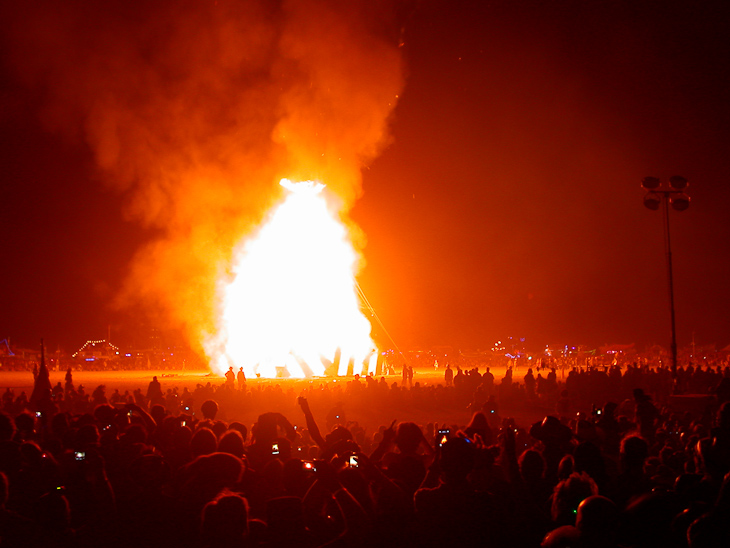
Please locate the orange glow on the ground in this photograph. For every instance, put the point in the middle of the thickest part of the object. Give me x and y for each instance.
(292, 299)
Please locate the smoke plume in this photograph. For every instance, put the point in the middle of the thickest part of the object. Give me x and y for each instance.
(195, 109)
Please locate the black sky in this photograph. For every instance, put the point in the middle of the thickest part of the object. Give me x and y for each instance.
(508, 203)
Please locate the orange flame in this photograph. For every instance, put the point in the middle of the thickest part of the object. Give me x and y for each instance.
(205, 105)
(292, 307)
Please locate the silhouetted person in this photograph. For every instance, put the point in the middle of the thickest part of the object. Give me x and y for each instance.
(632, 481)
(69, 386)
(225, 522)
(646, 414)
(611, 428)
(148, 517)
(154, 392)
(597, 521)
(230, 379)
(479, 426)
(555, 438)
(232, 442)
(17, 531)
(530, 384)
(454, 513)
(568, 494)
(408, 466)
(203, 442)
(449, 375)
(209, 409)
(40, 398)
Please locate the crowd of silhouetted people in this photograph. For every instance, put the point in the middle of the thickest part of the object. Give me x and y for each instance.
(624, 457)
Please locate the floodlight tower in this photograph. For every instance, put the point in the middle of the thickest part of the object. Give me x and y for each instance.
(674, 195)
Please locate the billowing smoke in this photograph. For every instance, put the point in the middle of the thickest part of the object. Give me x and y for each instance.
(195, 109)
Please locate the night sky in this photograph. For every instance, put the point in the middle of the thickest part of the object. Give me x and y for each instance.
(507, 202)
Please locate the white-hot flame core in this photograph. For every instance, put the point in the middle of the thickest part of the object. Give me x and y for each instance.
(292, 301)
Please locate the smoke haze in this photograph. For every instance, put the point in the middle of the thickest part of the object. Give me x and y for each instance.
(195, 109)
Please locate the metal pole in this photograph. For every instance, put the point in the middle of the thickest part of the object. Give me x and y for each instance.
(671, 286)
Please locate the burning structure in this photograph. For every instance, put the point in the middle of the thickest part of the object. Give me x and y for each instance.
(194, 111)
(291, 307)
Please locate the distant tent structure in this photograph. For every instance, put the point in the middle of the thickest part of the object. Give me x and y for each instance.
(93, 350)
(40, 399)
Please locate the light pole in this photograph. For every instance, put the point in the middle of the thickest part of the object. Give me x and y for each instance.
(674, 195)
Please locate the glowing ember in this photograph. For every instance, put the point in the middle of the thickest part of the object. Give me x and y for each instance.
(292, 306)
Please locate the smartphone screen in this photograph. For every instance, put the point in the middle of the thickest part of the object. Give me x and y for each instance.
(274, 448)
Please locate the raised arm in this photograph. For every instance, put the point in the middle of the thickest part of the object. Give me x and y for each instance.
(311, 423)
(385, 443)
(149, 422)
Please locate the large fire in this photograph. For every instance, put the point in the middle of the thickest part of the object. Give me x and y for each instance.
(291, 306)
